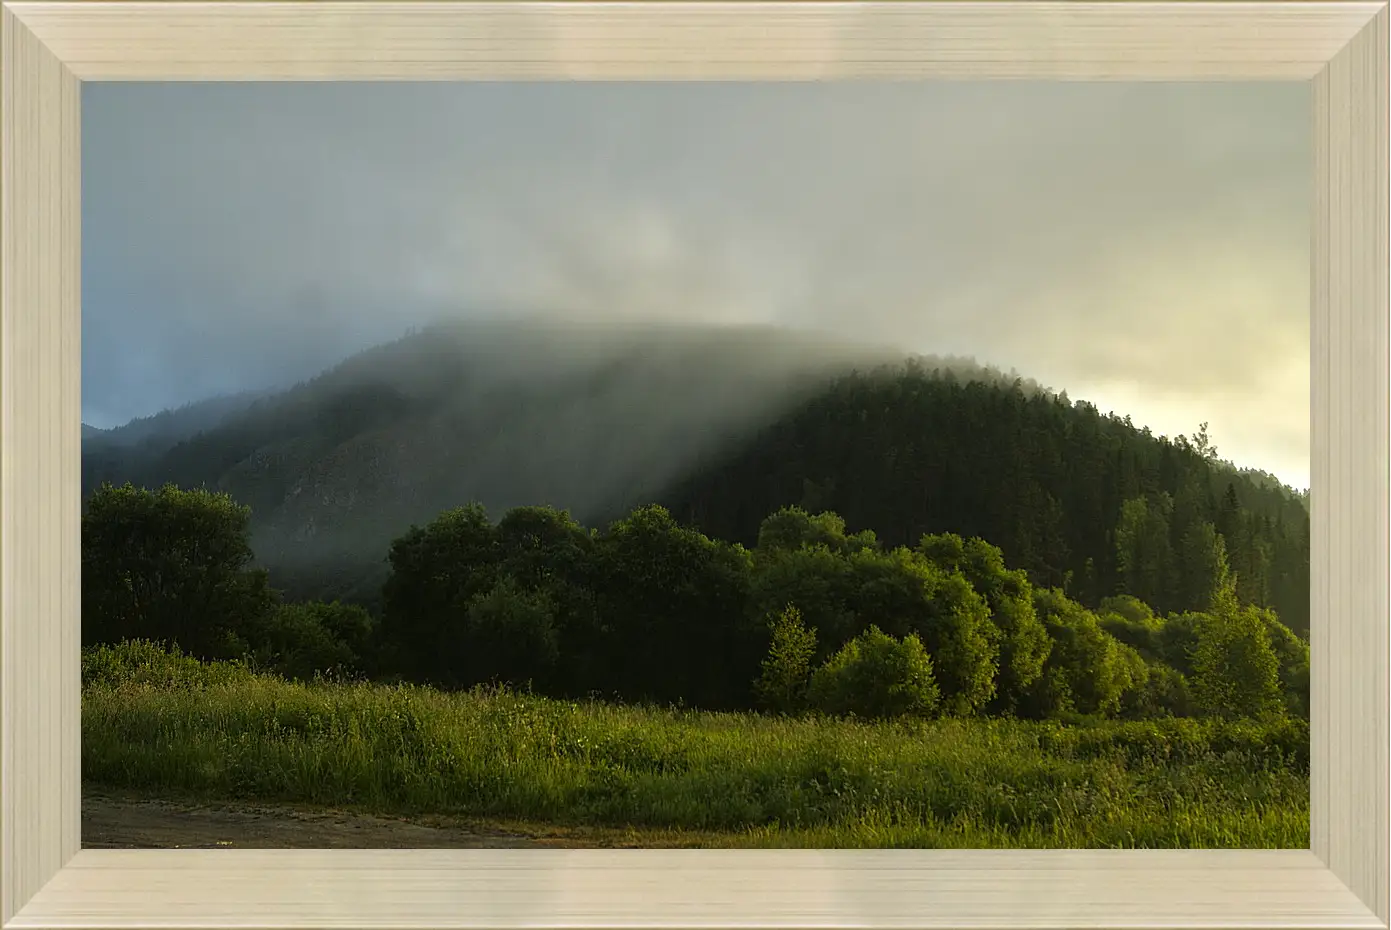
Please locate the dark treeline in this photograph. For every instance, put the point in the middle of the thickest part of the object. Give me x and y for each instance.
(811, 617)
(723, 429)
(1081, 501)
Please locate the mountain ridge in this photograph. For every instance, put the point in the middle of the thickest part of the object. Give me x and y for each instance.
(598, 418)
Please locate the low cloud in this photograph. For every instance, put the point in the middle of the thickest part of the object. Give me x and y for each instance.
(1142, 243)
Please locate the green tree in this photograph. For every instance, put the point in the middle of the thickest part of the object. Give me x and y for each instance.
(904, 594)
(1020, 637)
(540, 545)
(1236, 672)
(511, 636)
(876, 676)
(436, 571)
(1204, 571)
(1229, 515)
(1088, 671)
(545, 550)
(787, 668)
(305, 639)
(815, 580)
(793, 528)
(171, 566)
(675, 607)
(1202, 444)
(1144, 556)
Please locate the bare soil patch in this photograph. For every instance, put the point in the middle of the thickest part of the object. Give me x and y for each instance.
(114, 821)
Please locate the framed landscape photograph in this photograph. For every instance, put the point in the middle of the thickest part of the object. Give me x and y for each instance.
(694, 464)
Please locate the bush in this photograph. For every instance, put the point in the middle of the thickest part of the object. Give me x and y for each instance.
(1141, 636)
(1088, 671)
(909, 594)
(301, 641)
(875, 675)
(1164, 693)
(1293, 654)
(1128, 608)
(147, 664)
(1236, 672)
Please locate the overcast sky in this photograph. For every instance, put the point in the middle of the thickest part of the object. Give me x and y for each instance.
(1141, 246)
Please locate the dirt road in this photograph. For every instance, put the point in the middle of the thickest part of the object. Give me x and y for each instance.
(111, 821)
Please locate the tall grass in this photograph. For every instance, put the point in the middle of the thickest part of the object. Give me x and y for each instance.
(163, 724)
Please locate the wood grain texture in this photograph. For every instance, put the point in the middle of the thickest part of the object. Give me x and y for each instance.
(674, 41)
(45, 48)
(697, 888)
(40, 411)
(1351, 713)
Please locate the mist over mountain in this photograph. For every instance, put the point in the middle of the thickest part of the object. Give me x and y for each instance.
(722, 424)
(588, 417)
(160, 431)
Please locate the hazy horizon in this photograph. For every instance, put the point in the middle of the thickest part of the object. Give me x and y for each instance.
(1142, 247)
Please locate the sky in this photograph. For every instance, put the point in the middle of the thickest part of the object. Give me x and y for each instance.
(1141, 246)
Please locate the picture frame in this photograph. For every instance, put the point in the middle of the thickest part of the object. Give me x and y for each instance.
(48, 49)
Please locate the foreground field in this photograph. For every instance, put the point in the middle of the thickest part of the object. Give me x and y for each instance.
(159, 727)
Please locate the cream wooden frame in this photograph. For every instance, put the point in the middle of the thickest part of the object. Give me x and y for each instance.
(48, 49)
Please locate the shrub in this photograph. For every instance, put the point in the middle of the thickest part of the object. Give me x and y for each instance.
(875, 675)
(1141, 636)
(1088, 671)
(1162, 692)
(1128, 608)
(148, 664)
(1293, 654)
(1236, 672)
(302, 640)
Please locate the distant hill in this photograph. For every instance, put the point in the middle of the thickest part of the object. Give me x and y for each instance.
(723, 425)
(589, 417)
(160, 431)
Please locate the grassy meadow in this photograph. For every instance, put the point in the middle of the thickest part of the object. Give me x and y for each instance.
(167, 725)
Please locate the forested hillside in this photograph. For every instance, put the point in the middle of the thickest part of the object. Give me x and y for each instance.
(161, 431)
(722, 426)
(1081, 501)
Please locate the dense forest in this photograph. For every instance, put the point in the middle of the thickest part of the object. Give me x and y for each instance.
(649, 611)
(722, 428)
(1080, 501)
